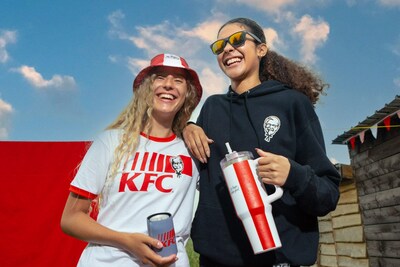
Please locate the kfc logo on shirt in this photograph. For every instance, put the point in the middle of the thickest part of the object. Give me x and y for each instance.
(177, 165)
(154, 169)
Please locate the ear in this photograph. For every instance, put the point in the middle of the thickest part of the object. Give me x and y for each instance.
(262, 50)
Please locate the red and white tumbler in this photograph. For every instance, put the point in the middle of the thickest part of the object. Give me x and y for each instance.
(250, 199)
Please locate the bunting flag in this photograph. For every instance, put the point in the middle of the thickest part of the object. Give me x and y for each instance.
(362, 135)
(386, 121)
(374, 131)
(353, 142)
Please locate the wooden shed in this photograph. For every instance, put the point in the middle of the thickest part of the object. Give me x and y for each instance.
(374, 149)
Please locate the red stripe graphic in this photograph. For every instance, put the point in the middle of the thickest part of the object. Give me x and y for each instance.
(254, 203)
(168, 166)
(135, 161)
(160, 163)
(153, 161)
(144, 161)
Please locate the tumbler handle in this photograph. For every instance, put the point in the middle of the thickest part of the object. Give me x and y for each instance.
(278, 190)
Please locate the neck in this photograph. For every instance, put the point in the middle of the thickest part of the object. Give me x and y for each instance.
(244, 85)
(160, 128)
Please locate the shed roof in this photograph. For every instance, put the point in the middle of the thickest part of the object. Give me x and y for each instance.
(370, 121)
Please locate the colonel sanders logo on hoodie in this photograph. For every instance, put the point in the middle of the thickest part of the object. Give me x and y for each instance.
(271, 127)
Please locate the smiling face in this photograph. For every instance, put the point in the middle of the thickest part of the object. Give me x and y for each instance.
(170, 89)
(241, 64)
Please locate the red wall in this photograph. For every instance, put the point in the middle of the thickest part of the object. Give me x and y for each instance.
(35, 178)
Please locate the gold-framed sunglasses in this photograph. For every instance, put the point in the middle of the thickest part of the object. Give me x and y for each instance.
(236, 40)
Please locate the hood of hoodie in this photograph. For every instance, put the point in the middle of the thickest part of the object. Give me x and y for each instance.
(264, 88)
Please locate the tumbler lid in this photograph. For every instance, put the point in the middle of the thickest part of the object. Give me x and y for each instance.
(234, 156)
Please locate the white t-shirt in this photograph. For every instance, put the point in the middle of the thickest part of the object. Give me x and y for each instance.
(150, 183)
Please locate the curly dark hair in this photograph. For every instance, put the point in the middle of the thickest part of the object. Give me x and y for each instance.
(277, 67)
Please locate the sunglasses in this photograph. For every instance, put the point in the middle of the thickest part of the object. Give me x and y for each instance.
(236, 40)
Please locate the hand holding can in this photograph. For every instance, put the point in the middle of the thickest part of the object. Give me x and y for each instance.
(161, 227)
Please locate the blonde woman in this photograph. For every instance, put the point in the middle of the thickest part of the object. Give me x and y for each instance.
(129, 168)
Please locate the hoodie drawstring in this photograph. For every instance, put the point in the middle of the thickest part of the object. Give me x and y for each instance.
(250, 119)
(231, 94)
(230, 115)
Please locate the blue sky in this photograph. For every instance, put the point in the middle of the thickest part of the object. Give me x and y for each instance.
(66, 67)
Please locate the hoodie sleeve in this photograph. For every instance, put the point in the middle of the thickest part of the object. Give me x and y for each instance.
(313, 180)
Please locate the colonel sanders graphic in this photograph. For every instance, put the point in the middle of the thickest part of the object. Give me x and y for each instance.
(177, 165)
(271, 126)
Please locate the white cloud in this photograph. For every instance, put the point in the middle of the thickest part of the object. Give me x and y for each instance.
(351, 3)
(272, 6)
(312, 34)
(206, 31)
(166, 37)
(5, 112)
(213, 82)
(113, 59)
(116, 27)
(396, 81)
(6, 37)
(389, 3)
(115, 19)
(135, 64)
(396, 47)
(36, 79)
(157, 38)
(272, 38)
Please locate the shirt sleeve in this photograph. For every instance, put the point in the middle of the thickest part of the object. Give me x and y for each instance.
(92, 173)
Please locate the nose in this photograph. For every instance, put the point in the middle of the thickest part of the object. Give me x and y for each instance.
(228, 47)
(169, 82)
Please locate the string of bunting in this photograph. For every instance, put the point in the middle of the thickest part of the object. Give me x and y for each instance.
(373, 129)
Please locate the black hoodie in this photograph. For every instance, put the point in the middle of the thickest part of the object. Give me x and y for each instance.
(311, 190)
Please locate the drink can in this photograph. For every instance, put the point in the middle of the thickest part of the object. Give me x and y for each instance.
(161, 227)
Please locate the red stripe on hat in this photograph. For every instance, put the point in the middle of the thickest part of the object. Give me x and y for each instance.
(183, 62)
(158, 60)
(254, 203)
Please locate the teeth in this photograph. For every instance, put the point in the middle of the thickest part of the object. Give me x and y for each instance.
(233, 60)
(167, 96)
